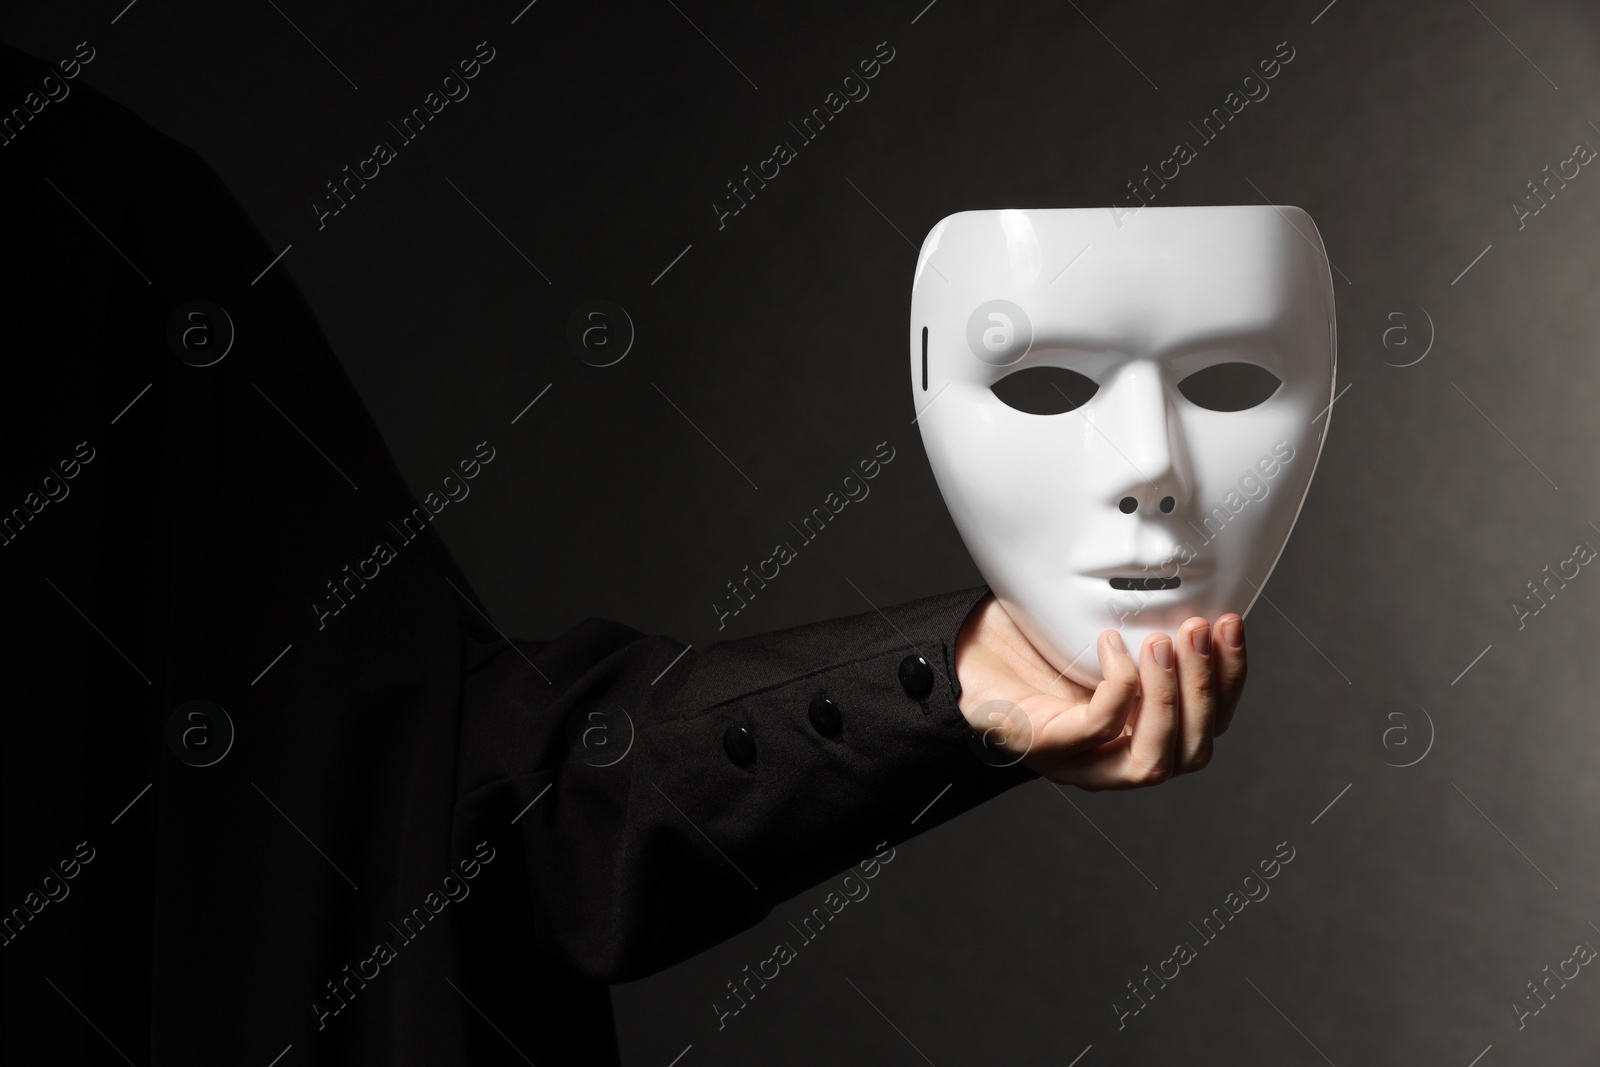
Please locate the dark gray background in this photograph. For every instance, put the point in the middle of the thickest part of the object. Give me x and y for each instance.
(596, 141)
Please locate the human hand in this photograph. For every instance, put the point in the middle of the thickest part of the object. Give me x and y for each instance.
(1140, 726)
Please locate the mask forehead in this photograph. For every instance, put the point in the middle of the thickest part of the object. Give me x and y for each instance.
(1168, 282)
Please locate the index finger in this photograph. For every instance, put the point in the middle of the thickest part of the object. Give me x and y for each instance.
(1115, 698)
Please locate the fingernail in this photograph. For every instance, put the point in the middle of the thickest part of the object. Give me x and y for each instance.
(1115, 641)
(1233, 633)
(1163, 653)
(1201, 639)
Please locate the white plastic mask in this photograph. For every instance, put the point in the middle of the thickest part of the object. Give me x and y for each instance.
(1123, 412)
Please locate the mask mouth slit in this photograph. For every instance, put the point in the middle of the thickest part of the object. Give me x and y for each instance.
(1146, 583)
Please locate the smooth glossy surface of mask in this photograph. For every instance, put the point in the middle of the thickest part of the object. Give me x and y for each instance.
(1123, 411)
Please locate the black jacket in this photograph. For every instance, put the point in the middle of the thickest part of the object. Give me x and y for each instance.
(419, 845)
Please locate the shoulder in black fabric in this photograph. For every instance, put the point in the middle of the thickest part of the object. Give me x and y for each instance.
(179, 561)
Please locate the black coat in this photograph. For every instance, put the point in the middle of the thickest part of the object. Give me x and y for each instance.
(422, 844)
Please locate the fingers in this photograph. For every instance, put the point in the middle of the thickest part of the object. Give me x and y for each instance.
(1149, 693)
(1188, 688)
(1228, 655)
(1197, 685)
(1117, 695)
(1062, 731)
(1154, 743)
(1046, 730)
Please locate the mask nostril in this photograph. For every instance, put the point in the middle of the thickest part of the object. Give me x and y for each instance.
(1167, 504)
(1128, 505)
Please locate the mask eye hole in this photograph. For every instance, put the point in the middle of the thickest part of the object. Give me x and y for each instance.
(1045, 390)
(1229, 386)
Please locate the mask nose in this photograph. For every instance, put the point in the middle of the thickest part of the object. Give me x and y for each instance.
(1135, 424)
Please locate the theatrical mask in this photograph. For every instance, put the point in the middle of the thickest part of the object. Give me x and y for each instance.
(1123, 409)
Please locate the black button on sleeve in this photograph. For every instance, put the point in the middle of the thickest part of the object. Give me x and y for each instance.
(916, 677)
(740, 745)
(825, 716)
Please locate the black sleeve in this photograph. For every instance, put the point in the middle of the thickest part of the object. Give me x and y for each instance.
(667, 799)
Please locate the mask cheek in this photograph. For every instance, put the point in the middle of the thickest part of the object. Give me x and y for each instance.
(1252, 488)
